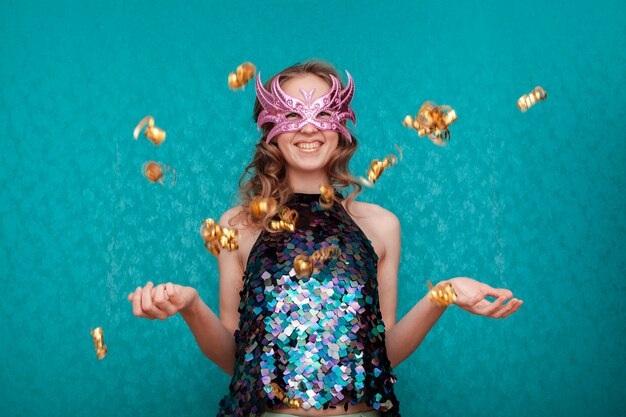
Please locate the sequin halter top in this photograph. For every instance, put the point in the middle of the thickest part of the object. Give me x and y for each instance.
(313, 341)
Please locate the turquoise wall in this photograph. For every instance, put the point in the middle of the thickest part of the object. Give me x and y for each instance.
(533, 202)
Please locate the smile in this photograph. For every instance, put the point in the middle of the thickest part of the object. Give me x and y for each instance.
(309, 146)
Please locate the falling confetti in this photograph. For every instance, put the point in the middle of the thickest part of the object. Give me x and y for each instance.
(241, 76)
(432, 120)
(526, 101)
(153, 133)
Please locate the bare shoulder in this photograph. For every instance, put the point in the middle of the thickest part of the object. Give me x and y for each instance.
(247, 233)
(229, 214)
(379, 216)
(380, 225)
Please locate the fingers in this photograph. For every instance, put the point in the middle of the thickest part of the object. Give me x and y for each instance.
(510, 308)
(503, 310)
(137, 311)
(153, 302)
(163, 302)
(172, 293)
(486, 308)
(496, 292)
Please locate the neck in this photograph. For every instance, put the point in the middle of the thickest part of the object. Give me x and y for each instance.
(307, 182)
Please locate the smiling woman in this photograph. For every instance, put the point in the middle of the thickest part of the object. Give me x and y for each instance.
(307, 322)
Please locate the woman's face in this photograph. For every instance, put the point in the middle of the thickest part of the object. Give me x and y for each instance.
(308, 149)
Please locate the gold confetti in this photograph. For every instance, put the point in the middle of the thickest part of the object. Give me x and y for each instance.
(432, 120)
(526, 101)
(441, 294)
(97, 335)
(290, 402)
(241, 76)
(157, 172)
(307, 265)
(287, 220)
(377, 167)
(303, 265)
(218, 237)
(153, 133)
(327, 194)
(261, 206)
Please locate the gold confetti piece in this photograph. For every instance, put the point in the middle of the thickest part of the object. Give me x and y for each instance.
(218, 237)
(307, 265)
(158, 172)
(261, 206)
(526, 101)
(441, 294)
(282, 396)
(327, 194)
(97, 335)
(241, 76)
(156, 135)
(377, 167)
(287, 220)
(432, 120)
(303, 266)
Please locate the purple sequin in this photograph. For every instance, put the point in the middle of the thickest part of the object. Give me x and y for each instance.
(320, 338)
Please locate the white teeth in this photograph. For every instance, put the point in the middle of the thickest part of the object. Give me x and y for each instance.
(308, 146)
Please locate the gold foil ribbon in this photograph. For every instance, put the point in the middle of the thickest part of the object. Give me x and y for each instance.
(157, 172)
(307, 265)
(153, 133)
(377, 167)
(432, 120)
(241, 76)
(218, 237)
(97, 335)
(441, 294)
(526, 101)
(287, 220)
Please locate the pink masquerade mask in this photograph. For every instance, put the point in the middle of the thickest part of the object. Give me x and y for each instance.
(277, 105)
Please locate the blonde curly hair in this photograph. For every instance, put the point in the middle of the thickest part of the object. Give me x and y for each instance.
(266, 175)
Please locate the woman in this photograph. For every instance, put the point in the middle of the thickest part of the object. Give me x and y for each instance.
(322, 342)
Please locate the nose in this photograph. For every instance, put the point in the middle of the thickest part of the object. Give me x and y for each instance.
(308, 128)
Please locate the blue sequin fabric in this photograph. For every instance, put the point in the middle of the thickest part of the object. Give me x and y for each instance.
(320, 338)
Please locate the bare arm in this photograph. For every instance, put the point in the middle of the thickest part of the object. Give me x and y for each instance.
(214, 339)
(408, 334)
(165, 300)
(214, 336)
(403, 337)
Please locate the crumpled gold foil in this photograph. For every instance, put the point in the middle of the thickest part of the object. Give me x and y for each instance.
(327, 194)
(153, 133)
(441, 294)
(307, 265)
(282, 396)
(526, 101)
(432, 120)
(242, 75)
(287, 220)
(261, 206)
(158, 172)
(97, 335)
(218, 237)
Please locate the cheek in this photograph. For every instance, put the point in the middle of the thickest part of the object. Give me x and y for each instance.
(332, 139)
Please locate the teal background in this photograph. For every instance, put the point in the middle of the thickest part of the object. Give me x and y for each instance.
(533, 202)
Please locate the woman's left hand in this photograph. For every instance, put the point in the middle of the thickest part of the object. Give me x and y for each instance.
(471, 296)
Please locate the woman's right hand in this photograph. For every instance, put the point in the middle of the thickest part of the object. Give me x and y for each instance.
(162, 301)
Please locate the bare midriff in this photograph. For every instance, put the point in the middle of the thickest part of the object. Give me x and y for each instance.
(337, 411)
